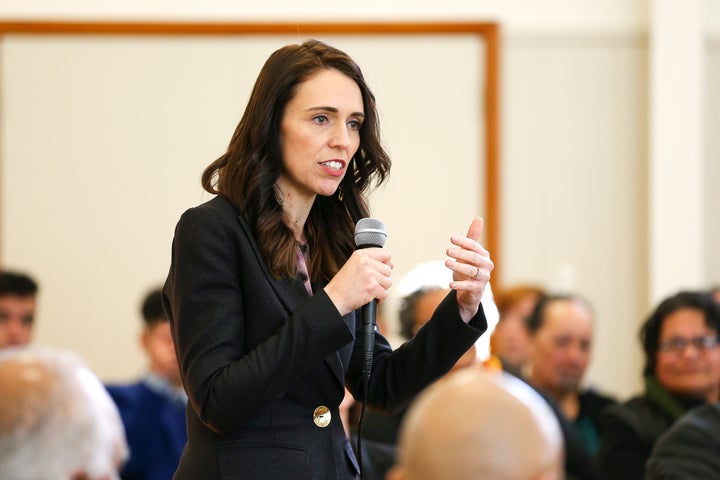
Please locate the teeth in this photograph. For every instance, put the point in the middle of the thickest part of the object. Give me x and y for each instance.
(333, 164)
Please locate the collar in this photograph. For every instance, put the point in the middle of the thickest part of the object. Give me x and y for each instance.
(162, 387)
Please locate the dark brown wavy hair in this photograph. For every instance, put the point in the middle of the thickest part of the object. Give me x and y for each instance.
(246, 175)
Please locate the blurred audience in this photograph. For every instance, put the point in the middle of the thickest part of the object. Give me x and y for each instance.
(423, 288)
(561, 329)
(715, 293)
(690, 450)
(56, 419)
(682, 371)
(511, 339)
(17, 308)
(153, 409)
(474, 424)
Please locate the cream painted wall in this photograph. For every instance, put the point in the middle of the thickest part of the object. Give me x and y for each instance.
(128, 124)
(573, 193)
(574, 154)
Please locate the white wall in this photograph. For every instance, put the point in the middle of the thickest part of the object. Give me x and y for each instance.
(575, 119)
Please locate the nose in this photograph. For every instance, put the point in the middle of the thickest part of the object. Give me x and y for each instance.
(15, 330)
(691, 350)
(340, 137)
(577, 354)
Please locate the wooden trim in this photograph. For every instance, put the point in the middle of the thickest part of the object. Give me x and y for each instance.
(489, 31)
(179, 28)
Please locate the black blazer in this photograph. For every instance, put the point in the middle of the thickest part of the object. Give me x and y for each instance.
(259, 356)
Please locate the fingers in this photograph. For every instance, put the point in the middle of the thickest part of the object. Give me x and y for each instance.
(476, 228)
(469, 260)
(364, 277)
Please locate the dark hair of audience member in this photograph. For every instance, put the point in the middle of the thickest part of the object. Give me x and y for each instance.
(14, 283)
(650, 330)
(537, 317)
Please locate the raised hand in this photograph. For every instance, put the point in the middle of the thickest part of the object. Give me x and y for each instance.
(471, 266)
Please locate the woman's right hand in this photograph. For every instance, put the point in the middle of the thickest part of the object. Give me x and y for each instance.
(364, 277)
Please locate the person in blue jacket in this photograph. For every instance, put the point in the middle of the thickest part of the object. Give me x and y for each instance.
(153, 409)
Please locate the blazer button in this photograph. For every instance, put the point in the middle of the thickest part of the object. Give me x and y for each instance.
(322, 416)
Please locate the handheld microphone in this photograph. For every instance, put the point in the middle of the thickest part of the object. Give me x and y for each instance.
(369, 232)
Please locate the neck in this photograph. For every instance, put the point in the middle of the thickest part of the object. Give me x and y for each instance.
(569, 403)
(296, 210)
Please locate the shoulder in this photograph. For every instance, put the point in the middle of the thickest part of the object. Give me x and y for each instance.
(127, 396)
(690, 448)
(210, 222)
(217, 207)
(597, 399)
(640, 415)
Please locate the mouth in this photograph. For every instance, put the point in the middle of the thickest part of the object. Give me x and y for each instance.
(334, 168)
(335, 165)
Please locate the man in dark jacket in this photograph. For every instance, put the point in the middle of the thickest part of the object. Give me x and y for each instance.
(690, 450)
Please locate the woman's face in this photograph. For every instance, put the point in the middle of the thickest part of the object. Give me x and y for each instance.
(683, 367)
(319, 134)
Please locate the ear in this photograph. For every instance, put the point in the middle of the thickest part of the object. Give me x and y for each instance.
(395, 473)
(145, 339)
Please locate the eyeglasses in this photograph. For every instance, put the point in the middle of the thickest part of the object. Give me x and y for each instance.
(679, 344)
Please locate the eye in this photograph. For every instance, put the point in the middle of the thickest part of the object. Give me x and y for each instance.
(355, 124)
(320, 119)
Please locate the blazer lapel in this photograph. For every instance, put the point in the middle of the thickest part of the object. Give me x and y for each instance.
(292, 294)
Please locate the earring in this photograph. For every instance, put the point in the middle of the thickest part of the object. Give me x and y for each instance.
(340, 194)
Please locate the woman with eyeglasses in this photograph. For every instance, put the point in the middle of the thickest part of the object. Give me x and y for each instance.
(682, 371)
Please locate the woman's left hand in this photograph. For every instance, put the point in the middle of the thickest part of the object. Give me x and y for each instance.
(471, 266)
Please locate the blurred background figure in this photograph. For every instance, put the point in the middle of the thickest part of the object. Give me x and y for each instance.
(153, 409)
(422, 290)
(474, 424)
(715, 293)
(690, 450)
(511, 340)
(682, 371)
(17, 308)
(561, 329)
(56, 419)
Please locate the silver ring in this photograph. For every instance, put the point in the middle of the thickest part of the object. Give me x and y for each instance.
(477, 274)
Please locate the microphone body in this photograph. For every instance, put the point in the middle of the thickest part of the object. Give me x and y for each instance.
(369, 232)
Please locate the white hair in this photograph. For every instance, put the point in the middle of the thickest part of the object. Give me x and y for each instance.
(434, 274)
(59, 421)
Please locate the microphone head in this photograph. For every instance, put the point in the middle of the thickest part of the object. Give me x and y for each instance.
(370, 232)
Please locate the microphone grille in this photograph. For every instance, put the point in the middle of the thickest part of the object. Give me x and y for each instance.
(370, 232)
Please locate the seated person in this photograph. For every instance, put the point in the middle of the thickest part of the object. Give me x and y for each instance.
(682, 371)
(56, 419)
(690, 449)
(474, 424)
(17, 308)
(511, 339)
(561, 329)
(153, 409)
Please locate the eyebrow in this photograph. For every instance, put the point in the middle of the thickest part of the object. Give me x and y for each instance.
(334, 110)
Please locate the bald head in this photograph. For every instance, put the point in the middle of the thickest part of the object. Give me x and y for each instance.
(474, 424)
(56, 419)
(26, 388)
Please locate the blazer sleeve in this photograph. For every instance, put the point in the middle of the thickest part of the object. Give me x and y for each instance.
(397, 376)
(226, 381)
